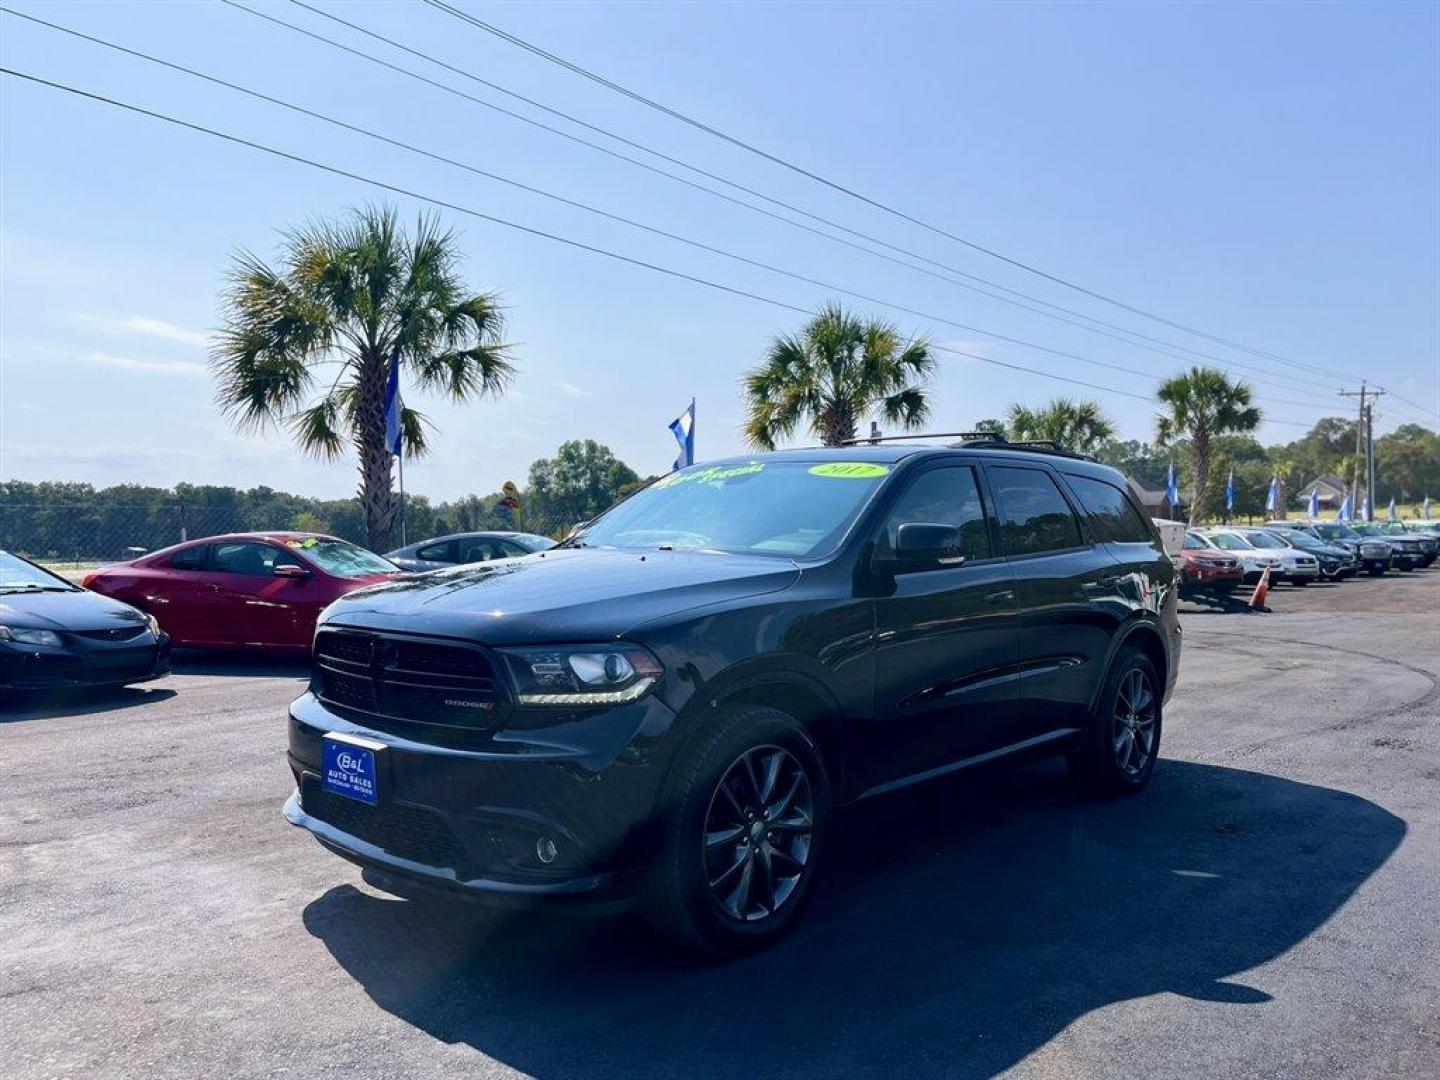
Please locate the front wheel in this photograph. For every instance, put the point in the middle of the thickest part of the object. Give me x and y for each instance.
(743, 832)
(1118, 752)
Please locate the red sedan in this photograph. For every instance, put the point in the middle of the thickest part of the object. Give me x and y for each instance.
(251, 590)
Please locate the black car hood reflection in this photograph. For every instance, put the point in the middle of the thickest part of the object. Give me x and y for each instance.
(78, 610)
(561, 595)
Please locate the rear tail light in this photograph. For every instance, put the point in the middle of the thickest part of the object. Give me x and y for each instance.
(89, 580)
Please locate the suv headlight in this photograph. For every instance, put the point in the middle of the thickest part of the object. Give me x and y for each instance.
(23, 636)
(152, 623)
(568, 675)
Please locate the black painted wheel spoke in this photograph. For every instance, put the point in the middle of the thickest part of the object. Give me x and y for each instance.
(784, 862)
(738, 903)
(730, 871)
(777, 809)
(758, 832)
(721, 837)
(770, 776)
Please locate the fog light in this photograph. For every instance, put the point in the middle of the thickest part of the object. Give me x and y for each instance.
(545, 850)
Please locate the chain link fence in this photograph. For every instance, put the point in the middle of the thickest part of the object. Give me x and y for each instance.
(85, 532)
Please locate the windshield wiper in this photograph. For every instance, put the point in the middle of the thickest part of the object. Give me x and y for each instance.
(28, 587)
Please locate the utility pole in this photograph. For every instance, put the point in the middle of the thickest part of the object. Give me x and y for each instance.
(1364, 444)
(1370, 495)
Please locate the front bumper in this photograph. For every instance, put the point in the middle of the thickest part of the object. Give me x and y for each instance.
(24, 667)
(472, 820)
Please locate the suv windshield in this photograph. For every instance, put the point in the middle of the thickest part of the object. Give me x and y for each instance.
(16, 573)
(769, 508)
(1337, 532)
(1230, 542)
(341, 558)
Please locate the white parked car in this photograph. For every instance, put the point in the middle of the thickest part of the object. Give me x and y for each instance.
(1298, 566)
(1253, 560)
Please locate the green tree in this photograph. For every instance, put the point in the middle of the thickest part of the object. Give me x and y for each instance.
(346, 297)
(1202, 405)
(837, 371)
(1407, 464)
(1074, 425)
(582, 480)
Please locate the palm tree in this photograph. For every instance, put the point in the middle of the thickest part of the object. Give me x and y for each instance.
(835, 372)
(1203, 404)
(1074, 425)
(308, 345)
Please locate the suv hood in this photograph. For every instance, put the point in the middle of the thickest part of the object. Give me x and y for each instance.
(560, 595)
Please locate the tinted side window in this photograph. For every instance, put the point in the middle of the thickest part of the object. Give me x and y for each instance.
(189, 559)
(1112, 517)
(944, 496)
(434, 553)
(1034, 516)
(254, 560)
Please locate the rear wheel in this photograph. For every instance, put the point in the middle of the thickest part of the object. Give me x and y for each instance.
(743, 832)
(1119, 749)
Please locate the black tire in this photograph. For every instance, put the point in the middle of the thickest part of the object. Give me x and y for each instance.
(1100, 765)
(1300, 581)
(687, 894)
(1375, 571)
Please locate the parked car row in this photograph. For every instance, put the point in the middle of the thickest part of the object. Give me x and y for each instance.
(1217, 559)
(256, 591)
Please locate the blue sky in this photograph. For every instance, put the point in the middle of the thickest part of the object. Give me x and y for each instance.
(1264, 172)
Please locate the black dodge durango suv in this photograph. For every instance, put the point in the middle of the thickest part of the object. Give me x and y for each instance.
(668, 706)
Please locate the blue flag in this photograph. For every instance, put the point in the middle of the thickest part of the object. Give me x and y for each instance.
(1347, 509)
(1230, 491)
(1315, 503)
(1272, 500)
(393, 405)
(683, 428)
(1172, 488)
(1393, 514)
(1365, 508)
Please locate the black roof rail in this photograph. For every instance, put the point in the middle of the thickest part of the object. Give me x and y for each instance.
(867, 439)
(1034, 446)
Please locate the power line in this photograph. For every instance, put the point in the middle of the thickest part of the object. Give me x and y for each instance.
(952, 275)
(528, 230)
(489, 28)
(700, 245)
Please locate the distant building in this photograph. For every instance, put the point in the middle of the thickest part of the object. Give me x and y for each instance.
(1152, 500)
(1332, 491)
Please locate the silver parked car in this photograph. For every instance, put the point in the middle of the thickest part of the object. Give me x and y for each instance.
(460, 548)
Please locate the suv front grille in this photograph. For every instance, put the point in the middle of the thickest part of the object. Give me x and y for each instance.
(421, 682)
(400, 829)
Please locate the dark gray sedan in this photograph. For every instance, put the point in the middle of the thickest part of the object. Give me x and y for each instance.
(54, 634)
(472, 547)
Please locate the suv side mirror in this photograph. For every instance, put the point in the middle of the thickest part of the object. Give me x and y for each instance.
(290, 570)
(923, 546)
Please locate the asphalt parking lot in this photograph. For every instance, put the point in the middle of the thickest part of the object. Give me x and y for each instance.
(1269, 906)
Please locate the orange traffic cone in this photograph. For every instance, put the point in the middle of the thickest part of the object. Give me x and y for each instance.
(1262, 589)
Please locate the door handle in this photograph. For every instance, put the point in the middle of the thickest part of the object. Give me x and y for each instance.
(1003, 596)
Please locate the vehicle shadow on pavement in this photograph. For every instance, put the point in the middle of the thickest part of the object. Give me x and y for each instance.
(959, 928)
(277, 665)
(51, 704)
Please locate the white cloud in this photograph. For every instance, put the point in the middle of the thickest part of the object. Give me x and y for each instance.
(147, 327)
(146, 366)
(569, 389)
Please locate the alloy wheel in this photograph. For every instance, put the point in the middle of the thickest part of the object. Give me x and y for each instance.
(1135, 723)
(759, 831)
